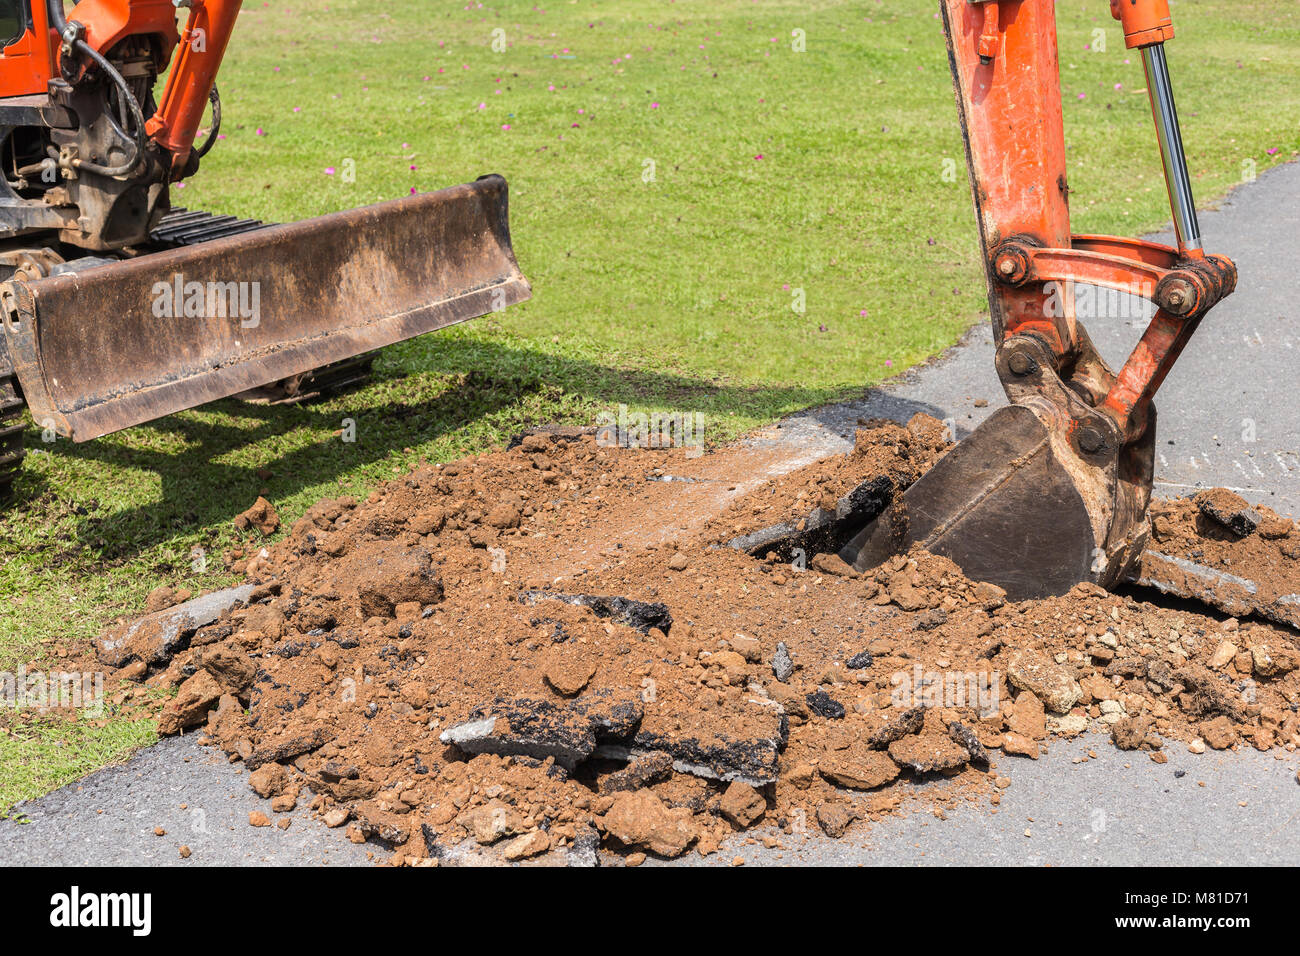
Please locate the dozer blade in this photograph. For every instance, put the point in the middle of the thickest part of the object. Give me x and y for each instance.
(119, 344)
(1009, 505)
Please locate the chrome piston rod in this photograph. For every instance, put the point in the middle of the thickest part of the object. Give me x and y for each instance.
(1171, 146)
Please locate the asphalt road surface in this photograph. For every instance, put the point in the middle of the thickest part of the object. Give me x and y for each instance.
(1229, 416)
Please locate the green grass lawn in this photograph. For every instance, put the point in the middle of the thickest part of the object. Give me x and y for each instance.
(678, 172)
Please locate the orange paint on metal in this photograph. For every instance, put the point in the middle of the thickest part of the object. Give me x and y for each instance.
(1144, 21)
(202, 45)
(1011, 113)
(28, 63)
(108, 22)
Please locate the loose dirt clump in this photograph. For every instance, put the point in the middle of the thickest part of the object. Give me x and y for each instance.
(497, 659)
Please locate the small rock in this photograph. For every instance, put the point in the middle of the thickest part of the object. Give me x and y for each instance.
(678, 562)
(1028, 717)
(1197, 746)
(859, 660)
(1219, 733)
(928, 753)
(966, 738)
(268, 780)
(1071, 725)
(1229, 510)
(1020, 744)
(782, 665)
(256, 818)
(568, 675)
(834, 819)
(859, 769)
(530, 844)
(641, 819)
(491, 822)
(833, 565)
(503, 516)
(185, 852)
(1130, 733)
(261, 516)
(1053, 684)
(824, 705)
(742, 804)
(1269, 660)
(336, 817)
(1223, 655)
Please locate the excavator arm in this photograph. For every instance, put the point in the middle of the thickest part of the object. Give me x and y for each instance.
(1053, 490)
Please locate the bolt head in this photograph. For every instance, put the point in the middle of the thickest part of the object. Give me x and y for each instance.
(1090, 440)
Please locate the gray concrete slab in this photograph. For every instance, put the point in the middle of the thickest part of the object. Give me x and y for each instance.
(1229, 415)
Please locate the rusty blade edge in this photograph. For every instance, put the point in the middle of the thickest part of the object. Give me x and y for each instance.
(154, 401)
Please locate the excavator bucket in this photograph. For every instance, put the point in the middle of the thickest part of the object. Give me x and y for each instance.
(117, 344)
(1009, 505)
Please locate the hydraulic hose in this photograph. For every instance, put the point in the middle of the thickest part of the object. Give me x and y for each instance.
(72, 40)
(215, 99)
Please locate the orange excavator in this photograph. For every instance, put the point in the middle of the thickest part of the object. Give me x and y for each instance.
(1053, 489)
(117, 307)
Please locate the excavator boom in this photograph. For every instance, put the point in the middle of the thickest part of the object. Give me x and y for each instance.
(1053, 490)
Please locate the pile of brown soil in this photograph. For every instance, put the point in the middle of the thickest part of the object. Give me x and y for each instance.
(503, 653)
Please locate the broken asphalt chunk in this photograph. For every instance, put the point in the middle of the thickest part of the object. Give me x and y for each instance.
(567, 733)
(156, 637)
(639, 615)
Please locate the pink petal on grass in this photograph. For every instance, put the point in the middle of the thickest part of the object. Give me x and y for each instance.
(329, 170)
